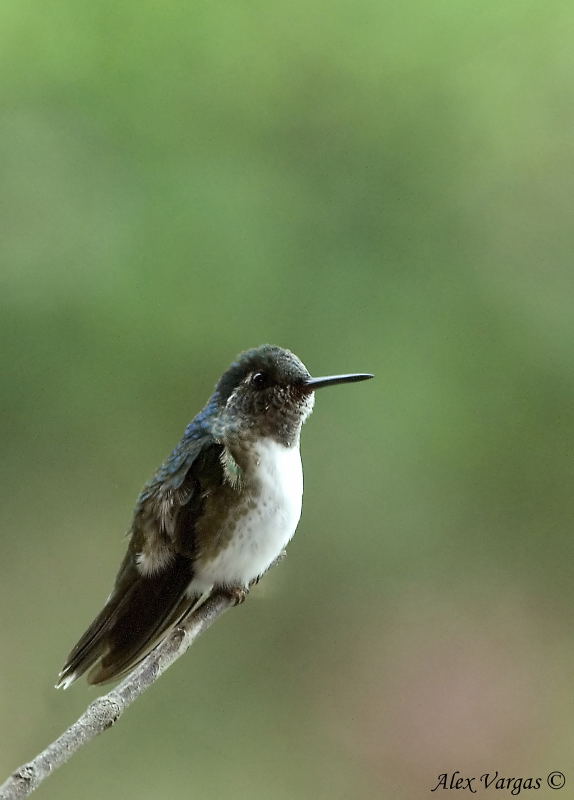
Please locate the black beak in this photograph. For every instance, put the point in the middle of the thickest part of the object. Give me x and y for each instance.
(332, 380)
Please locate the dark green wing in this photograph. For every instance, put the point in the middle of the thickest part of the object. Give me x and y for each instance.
(149, 594)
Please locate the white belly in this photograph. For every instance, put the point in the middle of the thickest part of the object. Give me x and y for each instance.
(274, 494)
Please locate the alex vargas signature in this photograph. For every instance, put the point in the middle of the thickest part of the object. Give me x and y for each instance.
(493, 780)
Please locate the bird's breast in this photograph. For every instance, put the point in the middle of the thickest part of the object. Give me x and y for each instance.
(261, 517)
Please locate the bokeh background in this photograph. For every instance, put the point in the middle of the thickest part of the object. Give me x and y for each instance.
(377, 186)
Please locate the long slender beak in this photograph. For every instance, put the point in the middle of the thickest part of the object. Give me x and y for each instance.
(332, 380)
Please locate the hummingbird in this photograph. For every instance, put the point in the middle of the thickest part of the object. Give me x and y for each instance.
(215, 516)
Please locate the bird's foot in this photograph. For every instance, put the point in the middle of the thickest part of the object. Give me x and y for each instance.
(238, 594)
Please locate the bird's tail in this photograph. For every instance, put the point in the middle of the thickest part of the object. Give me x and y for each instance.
(140, 610)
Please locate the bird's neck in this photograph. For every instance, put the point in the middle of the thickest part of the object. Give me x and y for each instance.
(243, 457)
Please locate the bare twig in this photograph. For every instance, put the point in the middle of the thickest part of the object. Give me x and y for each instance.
(107, 709)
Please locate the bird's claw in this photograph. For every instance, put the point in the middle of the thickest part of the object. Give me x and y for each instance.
(238, 594)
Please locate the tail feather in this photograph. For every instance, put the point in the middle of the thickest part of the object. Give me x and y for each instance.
(138, 612)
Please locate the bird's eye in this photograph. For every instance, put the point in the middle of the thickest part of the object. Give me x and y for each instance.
(259, 380)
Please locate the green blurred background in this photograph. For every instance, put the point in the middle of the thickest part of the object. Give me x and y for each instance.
(377, 186)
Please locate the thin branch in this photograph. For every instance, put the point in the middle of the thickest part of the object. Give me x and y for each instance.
(107, 709)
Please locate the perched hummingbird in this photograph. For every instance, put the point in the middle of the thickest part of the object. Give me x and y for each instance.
(216, 514)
